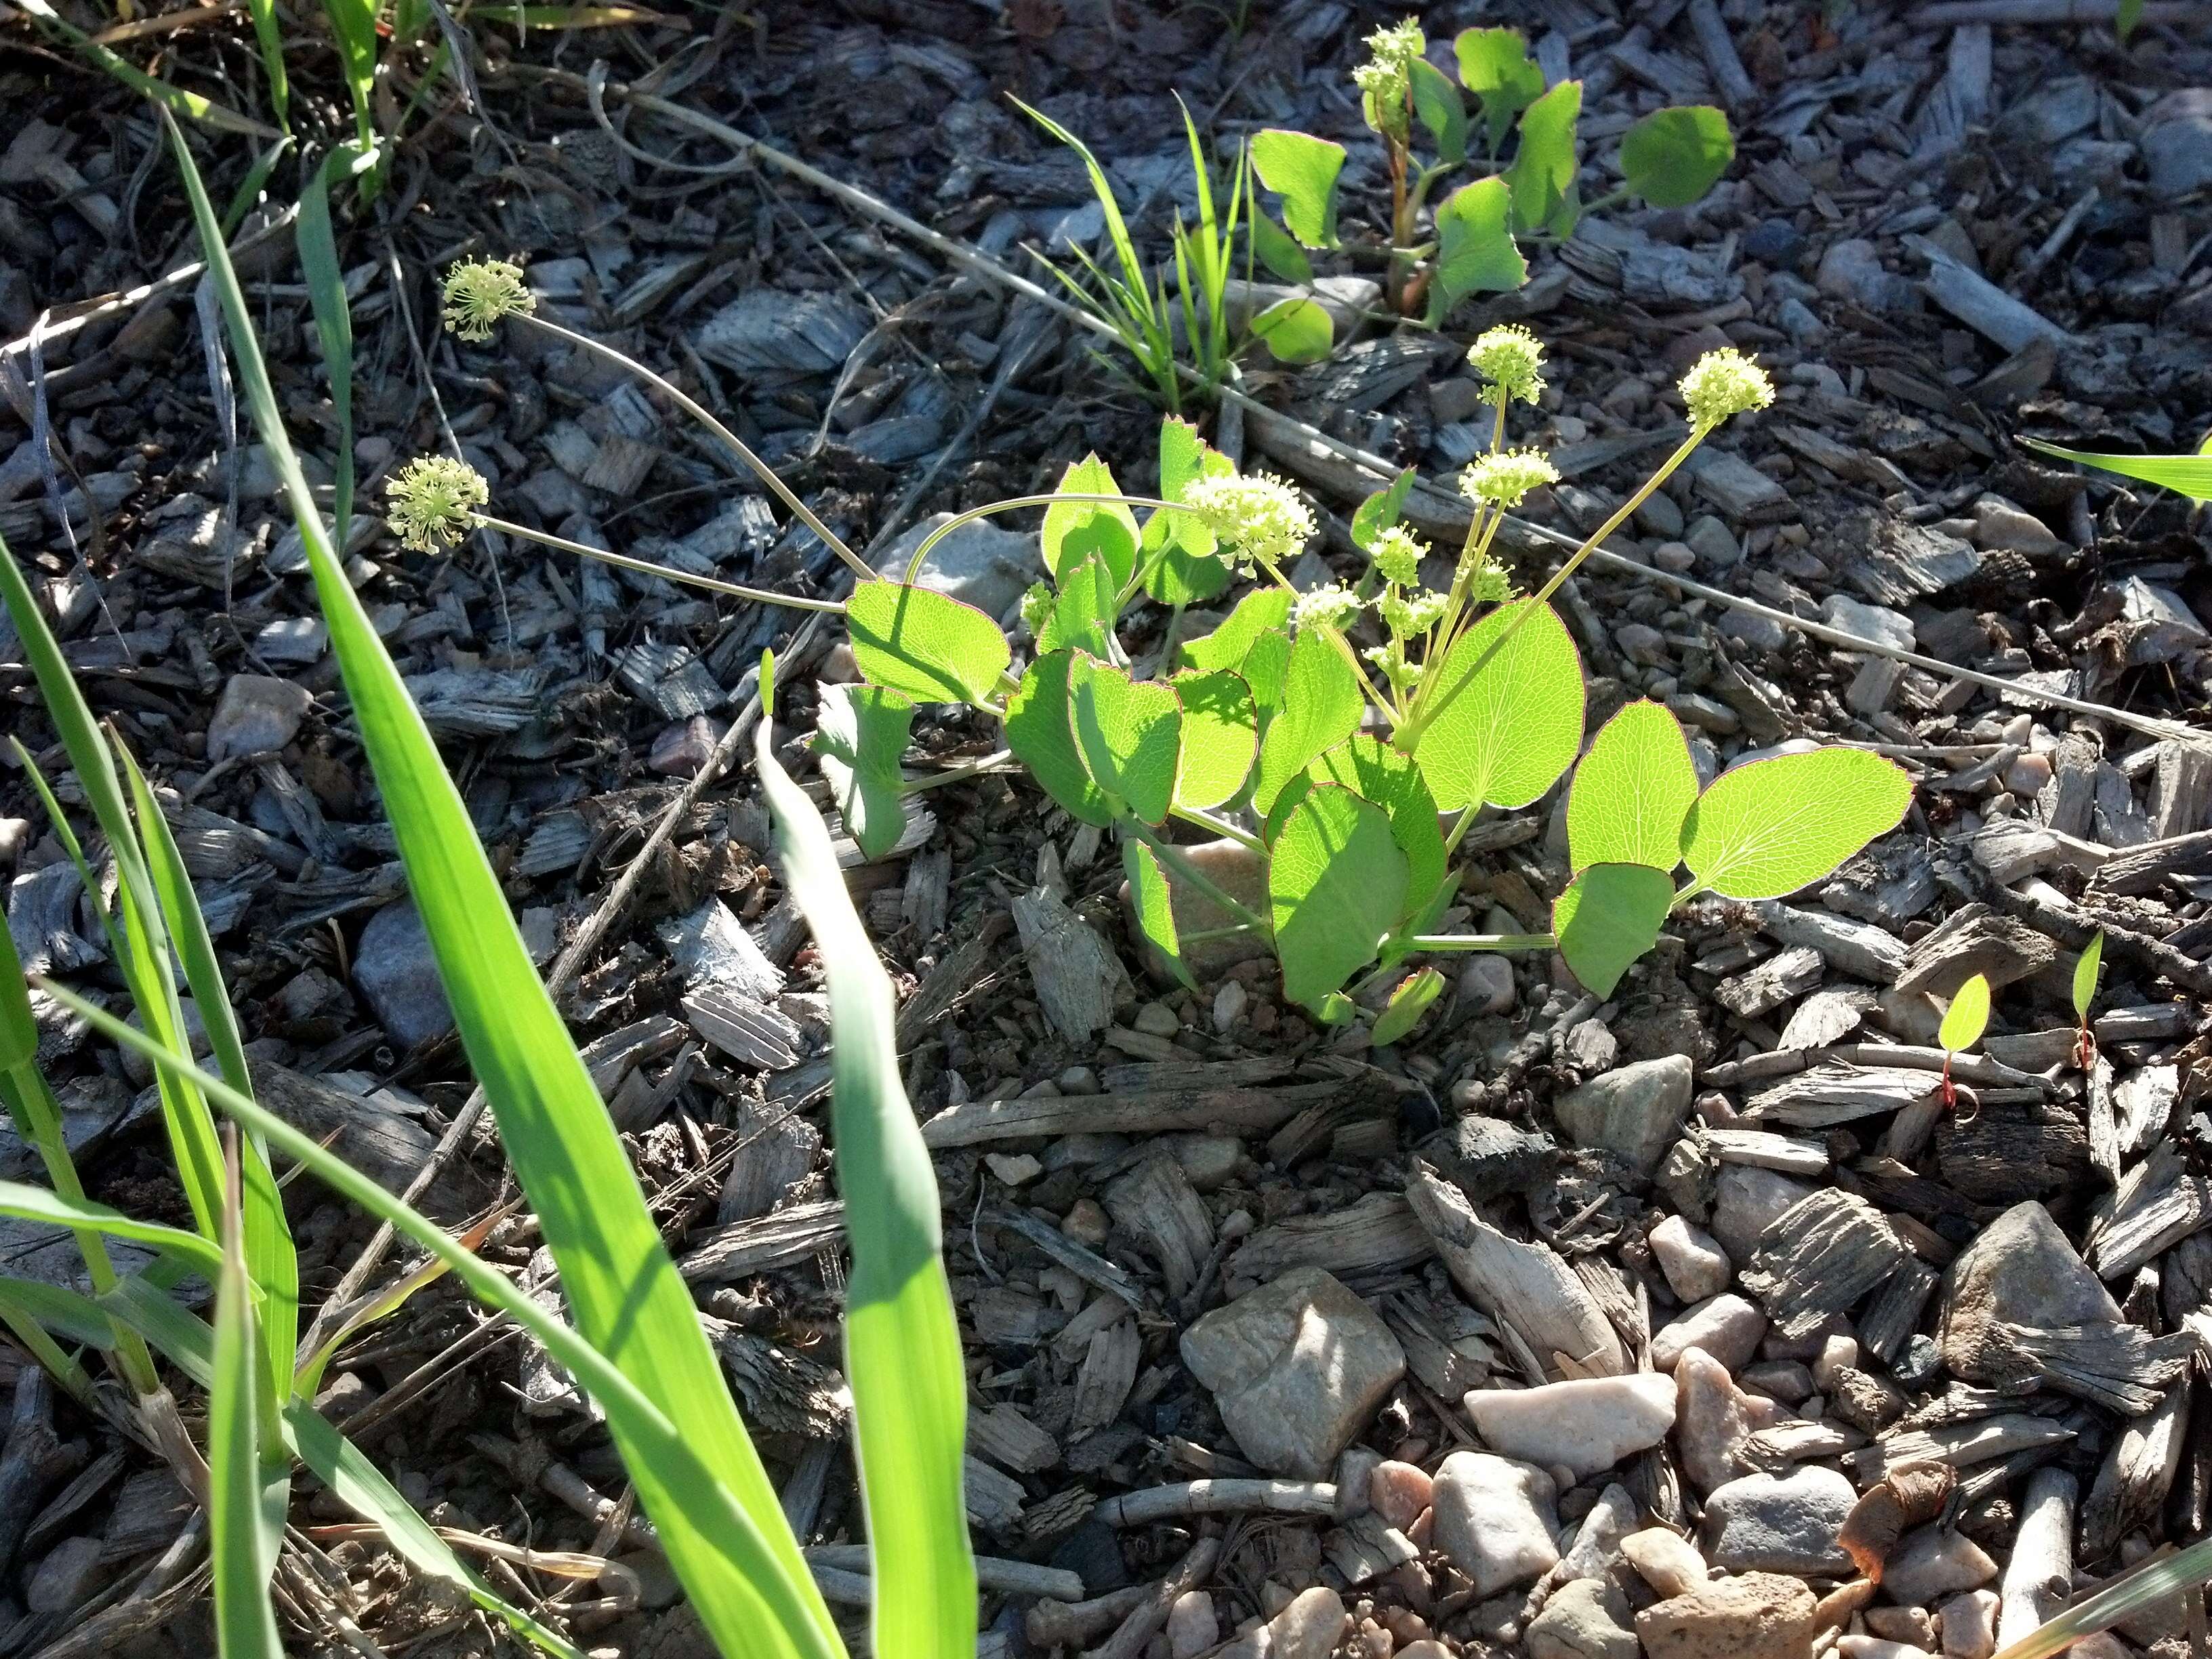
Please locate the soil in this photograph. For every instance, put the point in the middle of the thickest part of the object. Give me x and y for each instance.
(1896, 168)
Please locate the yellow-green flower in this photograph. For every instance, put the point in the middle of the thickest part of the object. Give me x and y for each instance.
(1382, 80)
(1723, 383)
(1260, 518)
(1408, 615)
(1511, 359)
(1398, 552)
(479, 292)
(432, 501)
(1503, 478)
(1333, 606)
(1391, 663)
(1487, 580)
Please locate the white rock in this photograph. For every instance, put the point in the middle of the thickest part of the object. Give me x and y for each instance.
(1587, 1618)
(1669, 1563)
(1713, 1418)
(1193, 1625)
(1310, 1627)
(1837, 1354)
(1726, 1326)
(1586, 1426)
(1695, 1265)
(1874, 1647)
(1931, 1562)
(1496, 1519)
(1969, 1623)
(1296, 1368)
(1485, 985)
(2000, 524)
(256, 715)
(1636, 1110)
(1611, 1519)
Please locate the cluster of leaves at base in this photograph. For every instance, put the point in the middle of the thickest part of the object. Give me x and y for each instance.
(1669, 159)
(1265, 713)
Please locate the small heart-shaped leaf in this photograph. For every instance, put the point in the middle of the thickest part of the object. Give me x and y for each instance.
(1769, 827)
(1129, 733)
(1609, 915)
(1336, 881)
(919, 641)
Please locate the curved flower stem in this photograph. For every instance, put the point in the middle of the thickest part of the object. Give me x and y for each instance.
(736, 590)
(1483, 941)
(991, 508)
(736, 446)
(1220, 827)
(1173, 858)
(996, 761)
(1525, 608)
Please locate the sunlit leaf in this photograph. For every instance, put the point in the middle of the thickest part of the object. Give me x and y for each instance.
(2185, 475)
(1336, 882)
(1129, 733)
(1476, 251)
(1321, 705)
(1505, 723)
(1220, 736)
(1386, 776)
(1542, 176)
(2086, 970)
(919, 641)
(1301, 169)
(1769, 827)
(1259, 611)
(1279, 251)
(1413, 998)
(1381, 510)
(1295, 330)
(1631, 792)
(1610, 915)
(1495, 66)
(1672, 156)
(1039, 737)
(1084, 610)
(861, 732)
(1149, 898)
(1967, 1016)
(1186, 571)
(1437, 103)
(1074, 530)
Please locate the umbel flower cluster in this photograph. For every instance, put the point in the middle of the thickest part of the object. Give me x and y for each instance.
(1384, 79)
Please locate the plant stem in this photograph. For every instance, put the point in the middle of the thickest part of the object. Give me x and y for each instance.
(736, 590)
(995, 760)
(1221, 827)
(736, 446)
(1173, 858)
(1525, 608)
(1483, 941)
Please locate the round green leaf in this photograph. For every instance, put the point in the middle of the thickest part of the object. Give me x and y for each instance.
(1631, 792)
(1495, 66)
(1278, 251)
(1301, 169)
(1129, 733)
(1220, 736)
(1259, 611)
(1476, 250)
(1038, 733)
(1437, 102)
(1768, 828)
(1321, 705)
(861, 732)
(1336, 882)
(1186, 570)
(1542, 176)
(1507, 720)
(1967, 1016)
(1408, 1003)
(1297, 330)
(1377, 771)
(933, 648)
(1083, 611)
(1074, 530)
(1609, 915)
(1672, 156)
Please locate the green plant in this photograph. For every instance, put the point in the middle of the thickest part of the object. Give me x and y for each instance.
(1468, 243)
(2185, 475)
(1132, 299)
(1481, 693)
(636, 1346)
(1962, 1026)
(2086, 970)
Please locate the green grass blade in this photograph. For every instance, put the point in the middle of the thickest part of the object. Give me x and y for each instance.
(250, 187)
(28, 1203)
(268, 30)
(1117, 229)
(756, 1604)
(140, 944)
(187, 1343)
(2185, 475)
(903, 1349)
(354, 23)
(29, 1313)
(326, 296)
(190, 104)
(748, 1584)
(270, 1258)
(243, 1535)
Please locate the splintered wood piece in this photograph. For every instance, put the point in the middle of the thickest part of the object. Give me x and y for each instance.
(1085, 1264)
(784, 1392)
(773, 1157)
(1163, 1111)
(2123, 1367)
(1002, 1434)
(2012, 1149)
(1977, 1440)
(1155, 1205)
(1449, 1346)
(748, 1031)
(1077, 979)
(1893, 1315)
(1108, 1373)
(2132, 1482)
(1526, 1287)
(1837, 1093)
(2038, 1578)
(2143, 869)
(720, 1254)
(373, 1135)
(1969, 941)
(1376, 1232)
(1820, 1256)
(2161, 1201)
(1783, 978)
